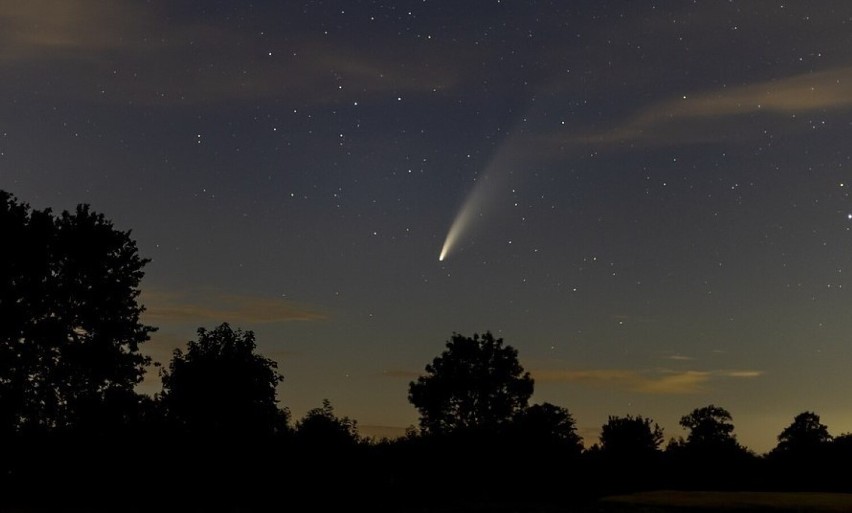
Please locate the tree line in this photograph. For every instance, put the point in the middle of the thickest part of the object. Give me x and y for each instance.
(217, 438)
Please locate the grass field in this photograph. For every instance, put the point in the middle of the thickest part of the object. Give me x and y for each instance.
(665, 501)
(739, 502)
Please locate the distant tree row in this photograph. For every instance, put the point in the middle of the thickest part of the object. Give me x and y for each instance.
(477, 390)
(71, 421)
(478, 384)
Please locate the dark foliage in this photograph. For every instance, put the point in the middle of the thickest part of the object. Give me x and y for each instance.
(628, 457)
(542, 448)
(710, 428)
(631, 437)
(220, 386)
(476, 383)
(711, 456)
(320, 429)
(477, 429)
(70, 336)
(69, 321)
(547, 427)
(805, 435)
(803, 456)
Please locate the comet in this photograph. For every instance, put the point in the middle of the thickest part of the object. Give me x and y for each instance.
(460, 223)
(470, 211)
(485, 192)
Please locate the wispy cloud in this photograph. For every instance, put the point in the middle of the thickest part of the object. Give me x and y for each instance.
(744, 374)
(691, 117)
(33, 28)
(660, 381)
(686, 382)
(680, 358)
(325, 74)
(167, 307)
(177, 58)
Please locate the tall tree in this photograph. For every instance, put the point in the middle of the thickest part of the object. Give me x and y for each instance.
(711, 456)
(805, 435)
(221, 386)
(806, 458)
(710, 427)
(70, 329)
(476, 383)
(630, 436)
(628, 457)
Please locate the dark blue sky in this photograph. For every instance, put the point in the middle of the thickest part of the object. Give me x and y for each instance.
(657, 196)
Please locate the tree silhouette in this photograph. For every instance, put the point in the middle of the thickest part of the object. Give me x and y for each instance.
(803, 458)
(710, 456)
(710, 428)
(326, 448)
(476, 383)
(550, 426)
(628, 457)
(320, 427)
(630, 436)
(842, 444)
(70, 325)
(538, 450)
(805, 435)
(221, 386)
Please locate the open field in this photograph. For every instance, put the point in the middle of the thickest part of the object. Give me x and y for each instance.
(741, 502)
(663, 501)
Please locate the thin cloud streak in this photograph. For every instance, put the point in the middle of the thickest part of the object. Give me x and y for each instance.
(98, 35)
(744, 374)
(685, 119)
(680, 358)
(661, 382)
(175, 308)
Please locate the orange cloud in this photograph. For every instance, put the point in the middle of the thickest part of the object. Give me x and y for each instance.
(687, 382)
(744, 374)
(164, 307)
(33, 28)
(661, 381)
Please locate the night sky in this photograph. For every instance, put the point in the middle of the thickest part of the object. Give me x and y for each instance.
(651, 199)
